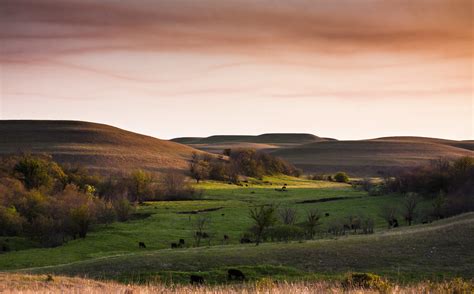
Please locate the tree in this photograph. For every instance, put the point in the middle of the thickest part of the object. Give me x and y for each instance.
(199, 169)
(264, 217)
(410, 203)
(200, 225)
(287, 215)
(140, 185)
(312, 222)
(33, 172)
(389, 214)
(341, 177)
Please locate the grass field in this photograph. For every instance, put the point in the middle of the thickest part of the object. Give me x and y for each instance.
(435, 251)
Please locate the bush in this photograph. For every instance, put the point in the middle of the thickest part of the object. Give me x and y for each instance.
(11, 222)
(366, 281)
(341, 177)
(123, 209)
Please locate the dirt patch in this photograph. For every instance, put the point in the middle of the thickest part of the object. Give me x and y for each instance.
(200, 210)
(326, 199)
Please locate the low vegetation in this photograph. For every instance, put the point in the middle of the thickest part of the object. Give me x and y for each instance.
(59, 284)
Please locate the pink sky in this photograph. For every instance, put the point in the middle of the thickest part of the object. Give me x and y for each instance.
(348, 69)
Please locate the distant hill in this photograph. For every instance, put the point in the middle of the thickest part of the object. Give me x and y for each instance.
(95, 146)
(217, 143)
(368, 157)
(325, 155)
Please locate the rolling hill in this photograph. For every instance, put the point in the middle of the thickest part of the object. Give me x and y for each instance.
(216, 144)
(95, 146)
(367, 157)
(359, 158)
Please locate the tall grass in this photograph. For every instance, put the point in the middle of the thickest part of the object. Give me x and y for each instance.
(15, 283)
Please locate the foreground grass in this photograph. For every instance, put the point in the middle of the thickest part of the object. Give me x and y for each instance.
(425, 252)
(14, 283)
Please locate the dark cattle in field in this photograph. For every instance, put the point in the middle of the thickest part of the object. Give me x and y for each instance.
(141, 245)
(393, 223)
(226, 237)
(327, 214)
(235, 274)
(222, 214)
(174, 245)
(195, 279)
(245, 240)
(181, 242)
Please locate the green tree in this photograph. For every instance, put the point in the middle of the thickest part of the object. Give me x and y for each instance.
(341, 177)
(140, 185)
(33, 172)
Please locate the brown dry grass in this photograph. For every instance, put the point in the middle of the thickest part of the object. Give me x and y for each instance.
(95, 146)
(369, 156)
(16, 283)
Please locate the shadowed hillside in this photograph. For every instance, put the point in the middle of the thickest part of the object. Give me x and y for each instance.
(324, 155)
(217, 143)
(95, 146)
(368, 157)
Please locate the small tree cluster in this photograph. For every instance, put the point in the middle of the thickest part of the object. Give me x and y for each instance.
(239, 162)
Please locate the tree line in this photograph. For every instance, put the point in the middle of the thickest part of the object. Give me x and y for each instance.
(234, 163)
(52, 204)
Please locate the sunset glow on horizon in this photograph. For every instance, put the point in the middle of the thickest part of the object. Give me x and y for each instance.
(344, 69)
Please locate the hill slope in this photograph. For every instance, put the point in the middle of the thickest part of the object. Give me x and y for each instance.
(95, 146)
(443, 248)
(218, 143)
(368, 157)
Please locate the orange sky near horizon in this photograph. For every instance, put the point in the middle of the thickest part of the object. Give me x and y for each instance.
(348, 69)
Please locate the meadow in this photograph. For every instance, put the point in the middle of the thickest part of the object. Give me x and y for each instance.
(433, 251)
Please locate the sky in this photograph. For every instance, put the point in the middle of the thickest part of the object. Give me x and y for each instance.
(347, 69)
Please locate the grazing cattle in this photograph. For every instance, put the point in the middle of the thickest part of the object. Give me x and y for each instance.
(181, 242)
(174, 245)
(245, 241)
(195, 279)
(222, 214)
(327, 214)
(393, 223)
(235, 274)
(141, 245)
(253, 192)
(226, 237)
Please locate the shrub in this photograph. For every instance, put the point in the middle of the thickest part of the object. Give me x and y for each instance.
(11, 222)
(366, 281)
(123, 209)
(341, 177)
(33, 172)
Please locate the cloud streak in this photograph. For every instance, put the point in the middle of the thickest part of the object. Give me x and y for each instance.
(237, 27)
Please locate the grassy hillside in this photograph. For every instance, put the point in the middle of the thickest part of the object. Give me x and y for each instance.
(368, 157)
(436, 251)
(95, 146)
